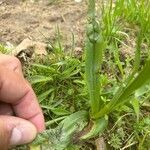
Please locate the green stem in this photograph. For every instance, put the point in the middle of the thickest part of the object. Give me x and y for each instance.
(94, 50)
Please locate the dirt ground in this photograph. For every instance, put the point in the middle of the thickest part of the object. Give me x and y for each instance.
(38, 20)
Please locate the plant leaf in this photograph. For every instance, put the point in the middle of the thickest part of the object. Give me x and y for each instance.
(140, 80)
(74, 119)
(39, 79)
(60, 111)
(142, 90)
(98, 127)
(42, 96)
(136, 106)
(44, 67)
(59, 137)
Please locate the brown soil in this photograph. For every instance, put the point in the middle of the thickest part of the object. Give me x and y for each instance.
(38, 20)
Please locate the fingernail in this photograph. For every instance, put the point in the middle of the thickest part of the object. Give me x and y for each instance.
(22, 134)
(16, 137)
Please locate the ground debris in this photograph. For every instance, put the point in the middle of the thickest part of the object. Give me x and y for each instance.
(31, 47)
(39, 20)
(100, 144)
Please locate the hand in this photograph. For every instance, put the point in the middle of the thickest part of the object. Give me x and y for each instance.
(20, 114)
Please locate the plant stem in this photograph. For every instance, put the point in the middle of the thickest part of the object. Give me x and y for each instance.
(94, 50)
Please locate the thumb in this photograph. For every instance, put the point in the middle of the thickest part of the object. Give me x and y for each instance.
(15, 131)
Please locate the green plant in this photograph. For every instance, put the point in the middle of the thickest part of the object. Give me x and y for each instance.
(115, 141)
(104, 93)
(83, 125)
(3, 49)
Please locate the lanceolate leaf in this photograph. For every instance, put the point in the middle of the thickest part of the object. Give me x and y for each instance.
(140, 80)
(74, 119)
(60, 111)
(44, 67)
(42, 96)
(59, 137)
(39, 79)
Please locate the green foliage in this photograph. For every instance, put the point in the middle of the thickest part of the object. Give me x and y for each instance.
(66, 91)
(62, 134)
(40, 79)
(115, 141)
(123, 94)
(59, 84)
(107, 85)
(98, 127)
(3, 49)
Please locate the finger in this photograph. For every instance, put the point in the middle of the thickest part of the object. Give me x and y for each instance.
(29, 109)
(5, 109)
(21, 96)
(4, 136)
(11, 63)
(15, 131)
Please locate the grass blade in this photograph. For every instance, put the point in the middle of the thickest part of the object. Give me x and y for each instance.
(140, 80)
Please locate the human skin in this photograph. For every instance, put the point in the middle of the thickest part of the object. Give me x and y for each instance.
(21, 117)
